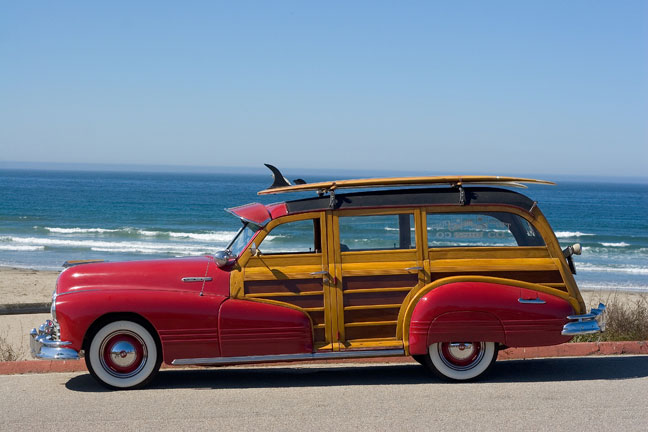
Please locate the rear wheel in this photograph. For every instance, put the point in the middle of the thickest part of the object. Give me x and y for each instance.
(460, 361)
(123, 355)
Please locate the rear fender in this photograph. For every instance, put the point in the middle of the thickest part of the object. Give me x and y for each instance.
(485, 309)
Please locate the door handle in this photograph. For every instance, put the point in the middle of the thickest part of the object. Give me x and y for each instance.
(531, 301)
(321, 273)
(417, 268)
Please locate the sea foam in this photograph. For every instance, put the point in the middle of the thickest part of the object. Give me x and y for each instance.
(571, 234)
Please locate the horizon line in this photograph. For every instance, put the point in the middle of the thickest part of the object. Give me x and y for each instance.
(212, 169)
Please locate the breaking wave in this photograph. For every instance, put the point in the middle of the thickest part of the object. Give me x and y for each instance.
(571, 234)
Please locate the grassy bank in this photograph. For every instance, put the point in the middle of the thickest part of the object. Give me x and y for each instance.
(626, 321)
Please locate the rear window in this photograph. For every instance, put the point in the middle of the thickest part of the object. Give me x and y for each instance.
(480, 230)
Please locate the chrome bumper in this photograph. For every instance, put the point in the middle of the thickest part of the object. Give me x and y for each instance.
(593, 322)
(44, 345)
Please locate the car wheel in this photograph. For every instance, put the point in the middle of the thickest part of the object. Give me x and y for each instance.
(461, 361)
(123, 355)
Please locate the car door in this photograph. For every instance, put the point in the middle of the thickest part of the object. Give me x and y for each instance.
(290, 268)
(376, 263)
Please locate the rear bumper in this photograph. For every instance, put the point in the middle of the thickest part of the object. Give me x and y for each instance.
(43, 344)
(593, 322)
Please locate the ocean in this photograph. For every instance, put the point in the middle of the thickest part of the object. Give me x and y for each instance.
(48, 217)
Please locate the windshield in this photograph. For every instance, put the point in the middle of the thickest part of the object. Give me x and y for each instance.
(242, 238)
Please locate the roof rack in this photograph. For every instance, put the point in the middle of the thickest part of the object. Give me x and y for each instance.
(282, 185)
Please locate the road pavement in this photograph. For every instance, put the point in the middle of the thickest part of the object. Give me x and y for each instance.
(559, 394)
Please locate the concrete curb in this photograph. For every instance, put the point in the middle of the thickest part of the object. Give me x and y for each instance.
(24, 308)
(564, 350)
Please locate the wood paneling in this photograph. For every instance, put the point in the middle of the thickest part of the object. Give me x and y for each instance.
(366, 315)
(527, 276)
(374, 298)
(368, 282)
(283, 286)
(382, 331)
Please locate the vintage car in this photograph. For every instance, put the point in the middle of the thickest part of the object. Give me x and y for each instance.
(448, 270)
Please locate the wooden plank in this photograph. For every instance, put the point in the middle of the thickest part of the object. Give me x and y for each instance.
(366, 307)
(369, 323)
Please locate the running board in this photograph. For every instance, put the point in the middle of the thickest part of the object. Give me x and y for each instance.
(289, 357)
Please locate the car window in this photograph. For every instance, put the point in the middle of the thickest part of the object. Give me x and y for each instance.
(378, 232)
(480, 229)
(293, 237)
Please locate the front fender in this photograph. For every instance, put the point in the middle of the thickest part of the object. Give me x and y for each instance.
(186, 323)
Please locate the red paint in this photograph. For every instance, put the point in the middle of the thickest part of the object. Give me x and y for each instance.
(186, 322)
(253, 328)
(254, 212)
(477, 311)
(277, 210)
(158, 275)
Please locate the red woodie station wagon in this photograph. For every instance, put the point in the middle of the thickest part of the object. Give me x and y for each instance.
(448, 270)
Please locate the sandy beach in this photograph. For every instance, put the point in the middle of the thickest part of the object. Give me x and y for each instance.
(34, 286)
(26, 286)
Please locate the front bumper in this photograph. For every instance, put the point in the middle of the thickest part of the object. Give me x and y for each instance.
(593, 322)
(44, 344)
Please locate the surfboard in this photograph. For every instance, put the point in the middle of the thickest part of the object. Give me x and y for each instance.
(333, 185)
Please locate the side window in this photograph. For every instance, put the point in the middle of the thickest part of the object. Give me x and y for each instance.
(302, 236)
(379, 232)
(480, 229)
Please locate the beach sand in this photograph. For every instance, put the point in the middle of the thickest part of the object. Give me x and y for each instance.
(26, 286)
(34, 286)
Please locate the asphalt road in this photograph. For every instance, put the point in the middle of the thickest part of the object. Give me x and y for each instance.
(593, 393)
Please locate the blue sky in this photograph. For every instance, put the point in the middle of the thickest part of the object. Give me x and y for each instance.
(549, 87)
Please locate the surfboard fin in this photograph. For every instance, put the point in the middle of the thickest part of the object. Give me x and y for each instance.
(278, 179)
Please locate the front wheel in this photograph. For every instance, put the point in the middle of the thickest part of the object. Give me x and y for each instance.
(123, 355)
(460, 361)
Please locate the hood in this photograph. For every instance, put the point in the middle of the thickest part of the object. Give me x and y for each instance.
(165, 274)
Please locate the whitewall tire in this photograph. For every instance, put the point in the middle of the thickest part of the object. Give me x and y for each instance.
(461, 361)
(123, 355)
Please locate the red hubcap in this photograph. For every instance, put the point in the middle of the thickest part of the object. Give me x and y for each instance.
(461, 355)
(123, 354)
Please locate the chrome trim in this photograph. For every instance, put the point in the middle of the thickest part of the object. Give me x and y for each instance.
(531, 301)
(417, 268)
(593, 322)
(289, 357)
(44, 344)
(78, 291)
(196, 279)
(319, 273)
(53, 307)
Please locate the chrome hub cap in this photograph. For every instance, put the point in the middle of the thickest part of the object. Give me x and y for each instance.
(461, 355)
(123, 354)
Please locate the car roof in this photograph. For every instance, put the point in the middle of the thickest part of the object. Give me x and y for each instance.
(415, 197)
(261, 214)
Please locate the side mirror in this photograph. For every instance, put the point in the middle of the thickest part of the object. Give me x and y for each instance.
(224, 259)
(253, 249)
